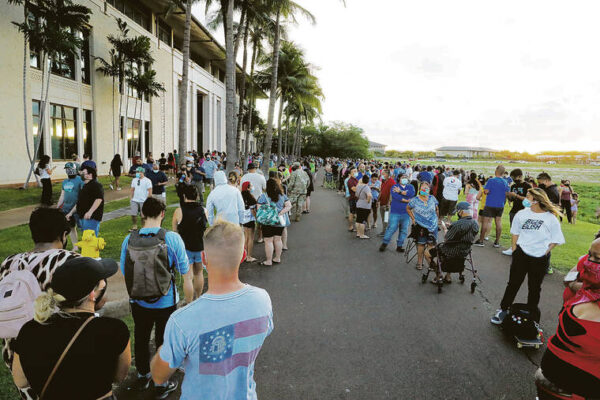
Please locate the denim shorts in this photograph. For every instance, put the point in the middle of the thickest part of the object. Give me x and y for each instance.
(194, 256)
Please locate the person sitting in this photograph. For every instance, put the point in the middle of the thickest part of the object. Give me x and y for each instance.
(66, 351)
(458, 240)
(571, 362)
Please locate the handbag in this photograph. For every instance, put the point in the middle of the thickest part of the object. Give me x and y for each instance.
(267, 214)
(62, 356)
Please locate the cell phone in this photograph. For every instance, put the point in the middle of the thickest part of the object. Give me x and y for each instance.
(572, 276)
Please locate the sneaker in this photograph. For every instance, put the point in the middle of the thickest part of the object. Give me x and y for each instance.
(382, 247)
(496, 244)
(549, 271)
(140, 383)
(162, 392)
(400, 249)
(119, 188)
(382, 234)
(507, 252)
(498, 318)
(110, 186)
(478, 243)
(486, 238)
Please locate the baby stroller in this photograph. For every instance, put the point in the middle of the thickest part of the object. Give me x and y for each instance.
(444, 264)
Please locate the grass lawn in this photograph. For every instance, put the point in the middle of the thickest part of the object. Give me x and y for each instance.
(15, 198)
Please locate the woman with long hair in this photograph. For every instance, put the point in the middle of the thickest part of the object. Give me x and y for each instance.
(535, 232)
(472, 189)
(115, 168)
(44, 171)
(424, 213)
(249, 221)
(272, 233)
(171, 163)
(363, 206)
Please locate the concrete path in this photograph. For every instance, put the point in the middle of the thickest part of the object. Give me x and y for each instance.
(353, 323)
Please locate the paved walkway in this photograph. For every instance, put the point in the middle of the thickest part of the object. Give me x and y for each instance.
(353, 323)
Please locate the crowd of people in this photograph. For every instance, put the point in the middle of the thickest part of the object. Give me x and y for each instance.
(46, 345)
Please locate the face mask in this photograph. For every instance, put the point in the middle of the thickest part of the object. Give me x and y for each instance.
(404, 181)
(424, 192)
(137, 175)
(155, 171)
(189, 165)
(589, 259)
(526, 203)
(356, 175)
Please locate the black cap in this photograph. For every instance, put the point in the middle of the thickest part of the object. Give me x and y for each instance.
(77, 277)
(251, 166)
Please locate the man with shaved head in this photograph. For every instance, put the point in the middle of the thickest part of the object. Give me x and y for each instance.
(216, 338)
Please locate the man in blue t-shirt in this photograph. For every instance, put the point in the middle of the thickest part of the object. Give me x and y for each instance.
(401, 193)
(210, 167)
(148, 315)
(217, 338)
(496, 189)
(69, 195)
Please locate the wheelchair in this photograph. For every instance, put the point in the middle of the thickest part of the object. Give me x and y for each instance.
(444, 264)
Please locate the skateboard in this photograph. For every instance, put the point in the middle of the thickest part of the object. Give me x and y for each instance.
(535, 343)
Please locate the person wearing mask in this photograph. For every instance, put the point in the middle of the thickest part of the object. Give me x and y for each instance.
(387, 182)
(90, 203)
(545, 183)
(176, 156)
(351, 183)
(426, 175)
(363, 206)
(44, 171)
(473, 188)
(149, 315)
(49, 231)
(162, 162)
(297, 187)
(190, 221)
(535, 232)
(272, 233)
(565, 193)
(137, 163)
(423, 212)
(571, 362)
(574, 207)
(518, 192)
(171, 163)
(451, 188)
(198, 174)
(65, 324)
(399, 220)
(225, 200)
(116, 165)
(375, 186)
(257, 181)
(68, 198)
(210, 167)
(496, 190)
(310, 188)
(249, 221)
(227, 371)
(159, 181)
(141, 189)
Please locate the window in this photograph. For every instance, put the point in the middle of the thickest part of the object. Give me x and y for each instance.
(35, 125)
(63, 131)
(133, 137)
(164, 31)
(136, 12)
(35, 60)
(85, 58)
(87, 132)
(147, 137)
(64, 65)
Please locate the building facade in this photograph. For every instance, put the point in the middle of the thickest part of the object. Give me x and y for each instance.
(375, 147)
(466, 152)
(82, 112)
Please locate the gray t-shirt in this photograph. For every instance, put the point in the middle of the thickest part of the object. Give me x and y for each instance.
(361, 193)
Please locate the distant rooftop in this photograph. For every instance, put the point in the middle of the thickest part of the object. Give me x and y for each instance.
(371, 144)
(463, 148)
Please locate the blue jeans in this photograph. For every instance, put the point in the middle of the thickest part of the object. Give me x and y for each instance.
(396, 221)
(90, 224)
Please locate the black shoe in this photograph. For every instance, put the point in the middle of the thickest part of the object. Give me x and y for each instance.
(400, 249)
(162, 392)
(140, 383)
(479, 243)
(382, 247)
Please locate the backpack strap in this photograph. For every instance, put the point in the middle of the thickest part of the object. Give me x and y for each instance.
(62, 356)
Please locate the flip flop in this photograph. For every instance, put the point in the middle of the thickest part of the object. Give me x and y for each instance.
(251, 260)
(447, 280)
(265, 265)
(363, 237)
(276, 262)
(419, 267)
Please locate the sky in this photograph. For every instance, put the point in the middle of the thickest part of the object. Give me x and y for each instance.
(416, 75)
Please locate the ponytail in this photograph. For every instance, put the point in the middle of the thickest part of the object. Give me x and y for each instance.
(46, 305)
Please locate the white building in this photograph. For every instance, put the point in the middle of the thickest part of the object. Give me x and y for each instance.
(79, 117)
(375, 147)
(466, 152)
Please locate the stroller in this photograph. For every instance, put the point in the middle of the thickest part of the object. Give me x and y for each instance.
(444, 264)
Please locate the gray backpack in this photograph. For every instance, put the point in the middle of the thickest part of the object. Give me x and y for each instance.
(148, 275)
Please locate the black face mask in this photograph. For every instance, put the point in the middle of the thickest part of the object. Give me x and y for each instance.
(590, 258)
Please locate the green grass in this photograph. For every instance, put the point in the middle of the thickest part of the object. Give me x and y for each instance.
(14, 197)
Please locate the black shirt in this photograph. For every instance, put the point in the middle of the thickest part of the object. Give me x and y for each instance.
(89, 193)
(156, 178)
(519, 188)
(88, 369)
(552, 192)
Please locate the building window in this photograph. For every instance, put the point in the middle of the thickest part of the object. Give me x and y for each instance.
(133, 137)
(136, 12)
(164, 31)
(85, 58)
(147, 137)
(64, 65)
(87, 132)
(35, 125)
(63, 130)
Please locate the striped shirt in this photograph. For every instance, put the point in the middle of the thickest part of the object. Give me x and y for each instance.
(461, 233)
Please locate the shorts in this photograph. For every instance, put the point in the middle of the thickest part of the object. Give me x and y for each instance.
(194, 256)
(116, 173)
(447, 207)
(74, 219)
(492, 212)
(209, 181)
(269, 231)
(250, 224)
(352, 204)
(162, 197)
(424, 236)
(362, 214)
(90, 224)
(135, 207)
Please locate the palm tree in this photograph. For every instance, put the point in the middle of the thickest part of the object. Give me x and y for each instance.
(53, 33)
(147, 87)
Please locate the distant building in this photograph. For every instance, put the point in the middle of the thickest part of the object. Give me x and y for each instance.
(375, 147)
(466, 152)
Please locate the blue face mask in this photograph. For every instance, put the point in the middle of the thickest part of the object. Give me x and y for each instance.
(526, 203)
(137, 175)
(155, 171)
(424, 192)
(404, 181)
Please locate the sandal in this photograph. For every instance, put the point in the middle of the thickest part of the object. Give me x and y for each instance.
(265, 264)
(250, 260)
(276, 262)
(435, 281)
(419, 267)
(363, 237)
(447, 280)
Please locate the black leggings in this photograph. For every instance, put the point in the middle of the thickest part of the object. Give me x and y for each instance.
(46, 192)
(523, 265)
(144, 320)
(566, 206)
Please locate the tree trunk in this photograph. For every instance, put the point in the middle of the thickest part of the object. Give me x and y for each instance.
(287, 134)
(121, 90)
(125, 127)
(113, 115)
(250, 107)
(133, 141)
(238, 34)
(183, 88)
(25, 97)
(141, 131)
(272, 98)
(240, 116)
(230, 113)
(279, 133)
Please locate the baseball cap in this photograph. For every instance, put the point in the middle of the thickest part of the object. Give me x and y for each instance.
(463, 206)
(70, 168)
(77, 277)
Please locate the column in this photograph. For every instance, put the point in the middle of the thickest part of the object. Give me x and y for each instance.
(194, 117)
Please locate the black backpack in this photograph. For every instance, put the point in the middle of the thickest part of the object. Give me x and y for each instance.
(522, 322)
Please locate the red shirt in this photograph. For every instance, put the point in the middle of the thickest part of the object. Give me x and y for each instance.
(384, 194)
(352, 182)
